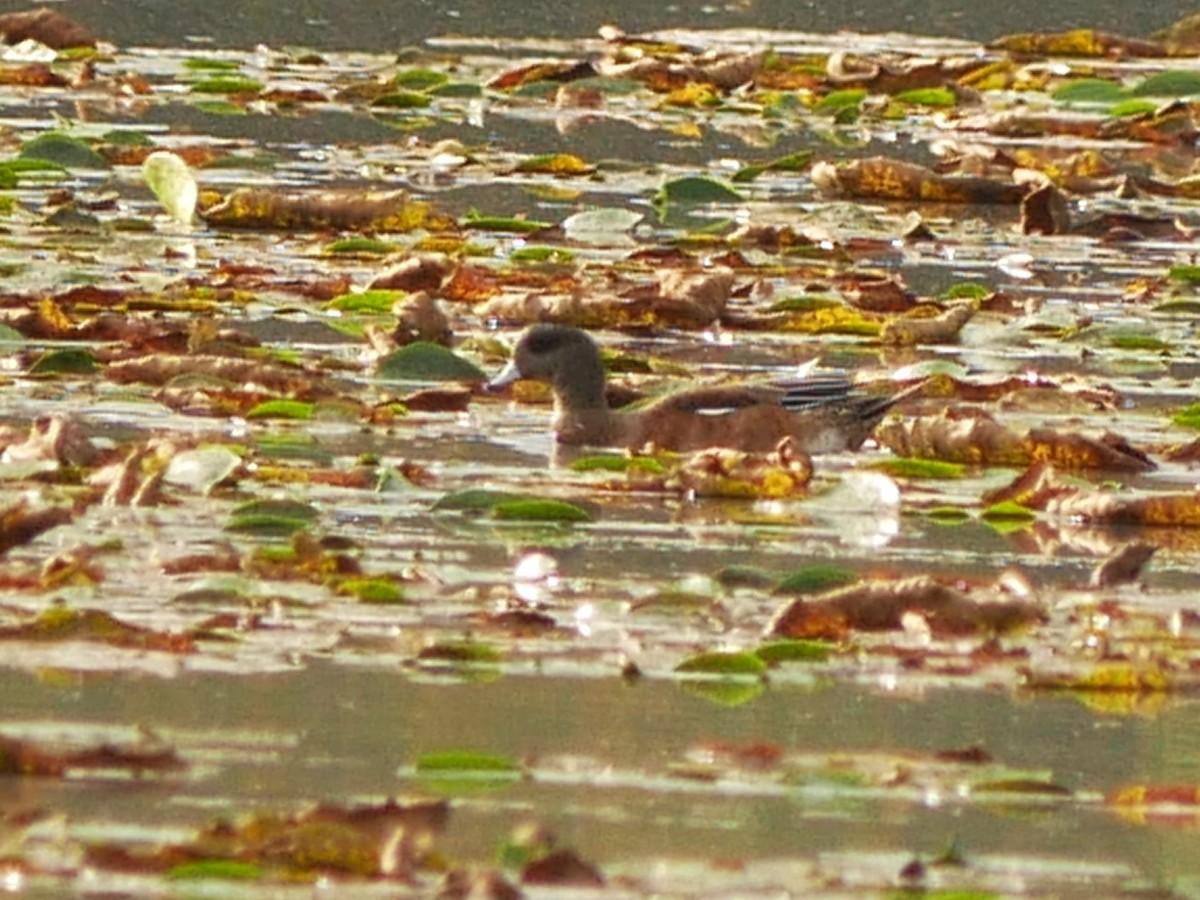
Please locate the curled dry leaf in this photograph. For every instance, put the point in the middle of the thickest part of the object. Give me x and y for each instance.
(1039, 487)
(1123, 566)
(937, 329)
(19, 524)
(55, 439)
(420, 272)
(330, 210)
(718, 472)
(891, 179)
(161, 368)
(975, 438)
(23, 757)
(884, 606)
(421, 318)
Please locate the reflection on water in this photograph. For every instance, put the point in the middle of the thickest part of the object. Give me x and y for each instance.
(334, 732)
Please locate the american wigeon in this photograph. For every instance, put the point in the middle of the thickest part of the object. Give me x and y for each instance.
(822, 415)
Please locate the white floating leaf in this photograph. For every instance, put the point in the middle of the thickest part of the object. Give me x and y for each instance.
(172, 182)
(202, 469)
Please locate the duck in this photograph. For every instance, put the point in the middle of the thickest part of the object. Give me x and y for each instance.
(820, 414)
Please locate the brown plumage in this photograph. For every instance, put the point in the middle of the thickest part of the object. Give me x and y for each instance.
(822, 415)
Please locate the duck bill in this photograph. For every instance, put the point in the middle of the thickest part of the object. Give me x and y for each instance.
(506, 377)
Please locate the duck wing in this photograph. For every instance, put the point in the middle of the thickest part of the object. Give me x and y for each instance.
(717, 400)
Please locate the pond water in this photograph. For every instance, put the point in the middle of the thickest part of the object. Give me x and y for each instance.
(825, 777)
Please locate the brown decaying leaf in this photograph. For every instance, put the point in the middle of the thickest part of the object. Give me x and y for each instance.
(562, 868)
(22, 757)
(65, 624)
(1078, 42)
(329, 210)
(1123, 566)
(937, 329)
(419, 272)
(883, 606)
(162, 368)
(1039, 487)
(19, 524)
(973, 437)
(881, 178)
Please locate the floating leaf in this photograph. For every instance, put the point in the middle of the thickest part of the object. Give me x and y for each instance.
(227, 84)
(1188, 417)
(475, 219)
(1172, 83)
(372, 590)
(475, 499)
(536, 510)
(556, 164)
(377, 302)
(726, 664)
(402, 100)
(933, 96)
(1008, 511)
(292, 509)
(419, 79)
(56, 147)
(364, 246)
(172, 183)
(223, 869)
(1089, 90)
(695, 191)
(467, 761)
(281, 409)
(64, 362)
(425, 361)
(475, 652)
(910, 467)
(814, 579)
(266, 524)
(613, 463)
(775, 652)
(202, 469)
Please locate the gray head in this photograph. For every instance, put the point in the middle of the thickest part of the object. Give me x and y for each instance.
(564, 356)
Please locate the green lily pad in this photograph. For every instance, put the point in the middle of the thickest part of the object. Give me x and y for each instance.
(202, 469)
(67, 151)
(370, 302)
(722, 663)
(361, 246)
(425, 361)
(538, 510)
(1172, 83)
(1132, 108)
(695, 190)
(965, 290)
(612, 463)
(933, 96)
(65, 362)
(477, 220)
(372, 590)
(775, 652)
(1089, 90)
(1188, 417)
(467, 761)
(474, 500)
(841, 102)
(912, 467)
(419, 79)
(475, 652)
(290, 509)
(814, 579)
(402, 100)
(281, 409)
(266, 525)
(227, 84)
(1008, 511)
(223, 869)
(172, 183)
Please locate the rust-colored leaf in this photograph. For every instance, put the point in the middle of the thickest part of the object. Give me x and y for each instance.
(329, 210)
